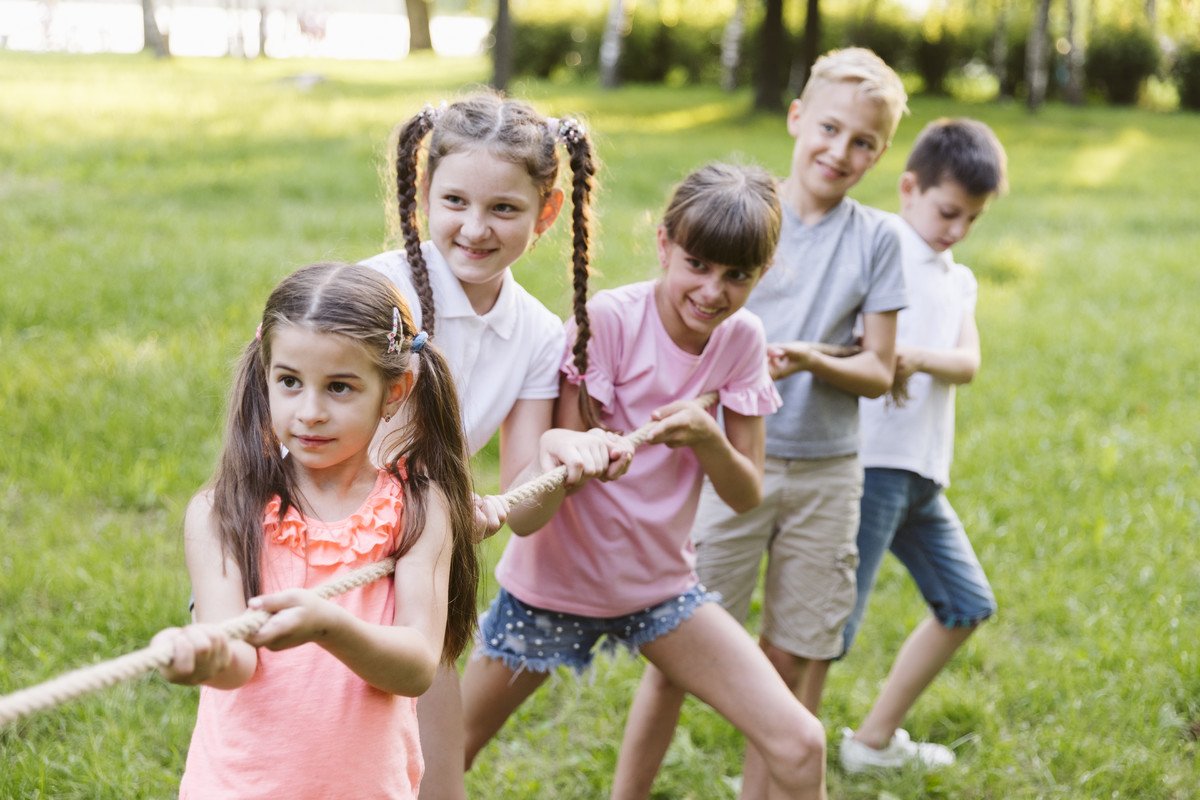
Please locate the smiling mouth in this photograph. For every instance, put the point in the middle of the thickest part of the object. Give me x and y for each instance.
(476, 252)
(706, 311)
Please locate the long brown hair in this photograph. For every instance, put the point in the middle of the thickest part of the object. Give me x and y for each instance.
(359, 304)
(514, 131)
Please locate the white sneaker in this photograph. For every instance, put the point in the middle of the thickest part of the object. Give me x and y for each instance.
(900, 752)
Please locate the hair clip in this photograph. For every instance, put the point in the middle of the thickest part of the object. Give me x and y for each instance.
(418, 341)
(394, 334)
(570, 131)
(430, 112)
(258, 333)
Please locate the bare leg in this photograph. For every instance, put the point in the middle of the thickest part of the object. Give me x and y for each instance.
(921, 657)
(806, 679)
(711, 656)
(440, 716)
(812, 684)
(491, 692)
(648, 731)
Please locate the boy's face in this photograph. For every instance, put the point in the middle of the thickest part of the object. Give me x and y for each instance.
(839, 136)
(943, 213)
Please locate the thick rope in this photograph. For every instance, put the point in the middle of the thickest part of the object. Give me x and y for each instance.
(109, 673)
(79, 682)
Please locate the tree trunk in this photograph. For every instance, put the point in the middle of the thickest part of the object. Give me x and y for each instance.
(263, 12)
(1074, 89)
(610, 45)
(1035, 56)
(153, 38)
(731, 46)
(1000, 50)
(767, 82)
(810, 47)
(418, 25)
(502, 50)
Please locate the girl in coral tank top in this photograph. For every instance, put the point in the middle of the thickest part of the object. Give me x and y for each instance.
(321, 701)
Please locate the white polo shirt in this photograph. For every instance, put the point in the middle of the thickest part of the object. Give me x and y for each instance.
(919, 437)
(511, 353)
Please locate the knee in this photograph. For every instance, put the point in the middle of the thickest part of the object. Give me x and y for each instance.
(800, 756)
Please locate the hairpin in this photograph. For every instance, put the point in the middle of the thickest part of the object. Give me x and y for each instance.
(394, 334)
(570, 131)
(430, 112)
(418, 341)
(258, 333)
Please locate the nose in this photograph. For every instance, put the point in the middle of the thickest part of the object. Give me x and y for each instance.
(475, 225)
(839, 147)
(311, 410)
(712, 288)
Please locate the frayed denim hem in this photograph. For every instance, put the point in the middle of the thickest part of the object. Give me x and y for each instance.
(661, 626)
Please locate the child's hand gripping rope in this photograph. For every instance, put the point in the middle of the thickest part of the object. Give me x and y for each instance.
(160, 653)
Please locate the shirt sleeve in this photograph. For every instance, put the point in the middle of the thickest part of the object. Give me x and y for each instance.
(749, 389)
(603, 350)
(885, 280)
(541, 379)
(969, 288)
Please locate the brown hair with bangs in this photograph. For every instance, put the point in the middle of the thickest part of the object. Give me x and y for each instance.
(726, 214)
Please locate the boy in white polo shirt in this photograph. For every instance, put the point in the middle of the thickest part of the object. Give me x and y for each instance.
(954, 170)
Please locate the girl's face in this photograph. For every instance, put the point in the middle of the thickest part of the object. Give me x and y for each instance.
(693, 297)
(327, 397)
(483, 212)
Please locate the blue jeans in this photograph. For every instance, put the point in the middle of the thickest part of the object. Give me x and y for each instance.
(526, 637)
(909, 515)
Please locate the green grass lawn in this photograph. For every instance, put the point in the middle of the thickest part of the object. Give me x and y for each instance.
(147, 207)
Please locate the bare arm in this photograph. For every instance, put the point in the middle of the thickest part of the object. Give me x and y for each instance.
(732, 459)
(202, 654)
(868, 373)
(401, 658)
(957, 365)
(585, 454)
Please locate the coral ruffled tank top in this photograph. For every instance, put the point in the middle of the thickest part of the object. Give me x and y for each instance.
(305, 726)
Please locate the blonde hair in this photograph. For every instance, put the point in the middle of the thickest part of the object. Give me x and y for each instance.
(876, 81)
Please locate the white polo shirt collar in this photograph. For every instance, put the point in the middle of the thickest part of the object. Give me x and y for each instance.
(921, 252)
(452, 302)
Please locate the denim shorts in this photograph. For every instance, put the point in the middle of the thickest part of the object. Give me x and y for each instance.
(909, 515)
(526, 637)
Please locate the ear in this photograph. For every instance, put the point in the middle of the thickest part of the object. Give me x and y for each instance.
(793, 118)
(664, 246)
(909, 188)
(549, 211)
(397, 393)
(423, 197)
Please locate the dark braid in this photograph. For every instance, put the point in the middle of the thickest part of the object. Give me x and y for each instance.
(408, 145)
(583, 170)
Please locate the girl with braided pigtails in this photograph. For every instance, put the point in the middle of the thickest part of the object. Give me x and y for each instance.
(486, 184)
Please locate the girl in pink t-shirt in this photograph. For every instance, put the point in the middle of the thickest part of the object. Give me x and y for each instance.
(321, 702)
(616, 562)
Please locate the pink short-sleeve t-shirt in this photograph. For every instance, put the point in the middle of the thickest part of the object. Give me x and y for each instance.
(622, 546)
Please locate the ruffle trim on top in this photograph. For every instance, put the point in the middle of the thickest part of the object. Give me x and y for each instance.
(756, 401)
(365, 536)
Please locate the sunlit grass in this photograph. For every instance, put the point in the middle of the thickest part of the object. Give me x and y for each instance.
(146, 208)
